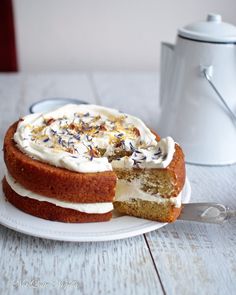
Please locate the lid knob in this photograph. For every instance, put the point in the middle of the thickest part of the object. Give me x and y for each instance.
(212, 17)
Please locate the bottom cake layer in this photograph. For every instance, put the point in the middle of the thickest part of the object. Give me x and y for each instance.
(149, 210)
(131, 199)
(50, 211)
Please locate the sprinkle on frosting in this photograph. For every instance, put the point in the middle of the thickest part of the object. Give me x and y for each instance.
(90, 138)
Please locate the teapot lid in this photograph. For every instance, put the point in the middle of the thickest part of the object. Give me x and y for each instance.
(211, 30)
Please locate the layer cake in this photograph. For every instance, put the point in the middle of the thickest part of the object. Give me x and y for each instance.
(78, 162)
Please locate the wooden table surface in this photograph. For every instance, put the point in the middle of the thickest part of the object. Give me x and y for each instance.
(180, 258)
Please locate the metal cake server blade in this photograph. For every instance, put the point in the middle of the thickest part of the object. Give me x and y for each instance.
(207, 212)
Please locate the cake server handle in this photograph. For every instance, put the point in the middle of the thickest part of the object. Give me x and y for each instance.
(207, 213)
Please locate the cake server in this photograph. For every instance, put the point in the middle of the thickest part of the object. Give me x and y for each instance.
(207, 212)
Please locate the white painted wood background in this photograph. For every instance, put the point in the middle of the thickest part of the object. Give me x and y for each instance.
(182, 258)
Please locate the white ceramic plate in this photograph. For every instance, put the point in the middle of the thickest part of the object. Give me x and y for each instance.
(50, 104)
(119, 227)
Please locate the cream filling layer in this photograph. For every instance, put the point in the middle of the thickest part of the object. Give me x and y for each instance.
(127, 191)
(90, 208)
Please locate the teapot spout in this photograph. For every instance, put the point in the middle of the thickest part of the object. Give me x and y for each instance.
(167, 52)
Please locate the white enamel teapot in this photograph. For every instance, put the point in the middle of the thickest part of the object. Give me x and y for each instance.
(198, 91)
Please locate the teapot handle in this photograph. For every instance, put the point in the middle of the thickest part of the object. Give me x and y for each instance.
(207, 73)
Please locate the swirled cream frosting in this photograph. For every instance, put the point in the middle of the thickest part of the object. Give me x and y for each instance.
(91, 138)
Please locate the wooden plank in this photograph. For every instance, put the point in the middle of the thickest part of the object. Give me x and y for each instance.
(195, 258)
(39, 86)
(135, 93)
(119, 267)
(10, 96)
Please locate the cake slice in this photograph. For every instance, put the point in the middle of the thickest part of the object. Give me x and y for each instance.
(153, 193)
(75, 163)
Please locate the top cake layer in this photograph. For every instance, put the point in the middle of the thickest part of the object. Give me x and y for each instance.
(90, 138)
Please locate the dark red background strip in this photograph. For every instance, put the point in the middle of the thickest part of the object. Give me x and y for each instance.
(8, 58)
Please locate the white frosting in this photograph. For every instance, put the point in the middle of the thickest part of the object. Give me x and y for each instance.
(126, 191)
(90, 208)
(72, 137)
(167, 146)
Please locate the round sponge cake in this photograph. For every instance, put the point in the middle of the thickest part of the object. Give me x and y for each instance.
(69, 186)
